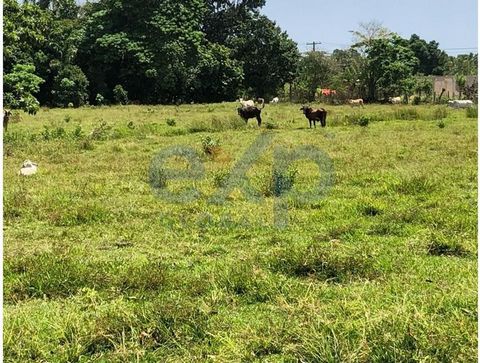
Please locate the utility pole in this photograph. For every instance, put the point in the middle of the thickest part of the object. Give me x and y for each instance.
(314, 43)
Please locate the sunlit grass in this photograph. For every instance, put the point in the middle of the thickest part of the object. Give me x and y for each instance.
(99, 268)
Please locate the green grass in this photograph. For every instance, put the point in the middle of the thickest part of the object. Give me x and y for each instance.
(98, 268)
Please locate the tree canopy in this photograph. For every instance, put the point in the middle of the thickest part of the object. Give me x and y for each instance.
(167, 51)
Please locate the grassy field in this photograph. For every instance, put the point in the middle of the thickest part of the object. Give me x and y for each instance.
(382, 269)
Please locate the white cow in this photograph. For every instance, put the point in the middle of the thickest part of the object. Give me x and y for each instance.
(358, 102)
(248, 103)
(275, 100)
(460, 103)
(28, 168)
(395, 100)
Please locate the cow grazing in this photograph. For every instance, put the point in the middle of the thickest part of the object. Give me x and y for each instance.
(460, 103)
(395, 100)
(356, 103)
(315, 114)
(6, 117)
(275, 100)
(248, 112)
(28, 168)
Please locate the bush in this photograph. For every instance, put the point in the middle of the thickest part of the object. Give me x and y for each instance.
(19, 87)
(120, 95)
(99, 99)
(280, 182)
(355, 119)
(171, 122)
(441, 124)
(416, 100)
(70, 87)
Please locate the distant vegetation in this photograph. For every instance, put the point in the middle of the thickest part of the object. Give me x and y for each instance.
(59, 54)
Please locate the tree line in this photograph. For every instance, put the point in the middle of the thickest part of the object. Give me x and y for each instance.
(59, 54)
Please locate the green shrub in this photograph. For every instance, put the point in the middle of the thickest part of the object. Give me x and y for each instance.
(120, 95)
(441, 124)
(99, 99)
(53, 133)
(77, 133)
(70, 87)
(171, 122)
(279, 182)
(357, 119)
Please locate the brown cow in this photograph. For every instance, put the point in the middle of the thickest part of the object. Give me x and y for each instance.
(315, 114)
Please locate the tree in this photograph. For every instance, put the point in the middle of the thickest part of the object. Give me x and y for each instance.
(268, 55)
(62, 9)
(224, 18)
(463, 64)
(217, 75)
(431, 59)
(152, 48)
(347, 72)
(389, 69)
(314, 71)
(70, 86)
(368, 32)
(19, 88)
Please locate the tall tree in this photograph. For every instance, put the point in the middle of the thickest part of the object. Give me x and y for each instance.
(431, 59)
(268, 55)
(390, 68)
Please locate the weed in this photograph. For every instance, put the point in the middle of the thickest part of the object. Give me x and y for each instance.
(210, 146)
(100, 132)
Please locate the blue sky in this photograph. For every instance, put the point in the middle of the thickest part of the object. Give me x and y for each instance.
(452, 23)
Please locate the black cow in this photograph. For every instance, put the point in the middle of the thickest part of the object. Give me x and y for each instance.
(315, 114)
(249, 112)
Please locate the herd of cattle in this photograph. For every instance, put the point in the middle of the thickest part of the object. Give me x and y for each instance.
(250, 110)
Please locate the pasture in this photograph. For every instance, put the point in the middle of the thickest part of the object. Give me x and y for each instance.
(383, 268)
